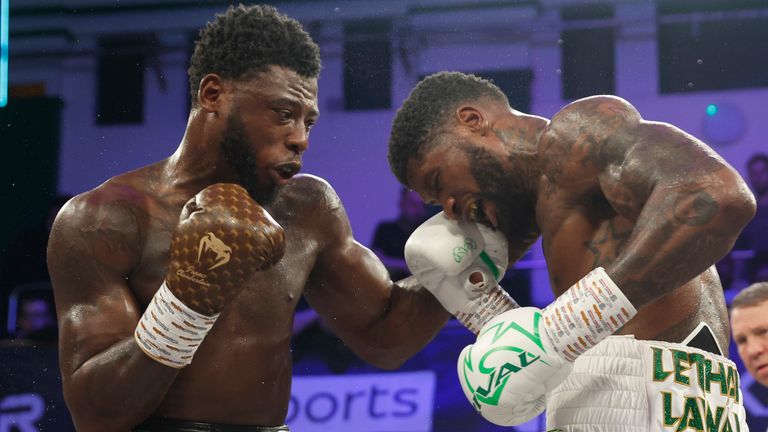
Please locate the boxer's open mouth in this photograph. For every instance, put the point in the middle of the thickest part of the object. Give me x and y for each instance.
(288, 169)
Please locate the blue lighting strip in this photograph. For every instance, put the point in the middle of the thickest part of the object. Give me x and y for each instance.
(4, 12)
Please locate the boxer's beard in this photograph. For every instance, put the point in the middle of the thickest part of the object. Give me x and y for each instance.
(239, 156)
(508, 190)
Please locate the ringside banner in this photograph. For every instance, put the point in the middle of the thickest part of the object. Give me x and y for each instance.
(363, 403)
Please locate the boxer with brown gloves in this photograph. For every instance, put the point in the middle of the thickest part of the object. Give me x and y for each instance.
(140, 272)
(222, 239)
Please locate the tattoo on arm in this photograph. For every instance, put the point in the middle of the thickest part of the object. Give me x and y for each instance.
(695, 208)
(557, 151)
(608, 244)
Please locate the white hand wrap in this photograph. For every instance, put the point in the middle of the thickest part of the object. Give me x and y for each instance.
(460, 263)
(169, 331)
(590, 311)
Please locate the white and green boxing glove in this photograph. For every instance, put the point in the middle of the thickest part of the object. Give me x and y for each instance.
(461, 264)
(522, 354)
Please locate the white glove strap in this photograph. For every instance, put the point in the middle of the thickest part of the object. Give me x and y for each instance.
(479, 311)
(169, 331)
(491, 301)
(590, 311)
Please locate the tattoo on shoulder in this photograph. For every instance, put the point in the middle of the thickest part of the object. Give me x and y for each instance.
(605, 123)
(585, 134)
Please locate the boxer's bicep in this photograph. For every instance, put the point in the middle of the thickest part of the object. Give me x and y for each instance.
(348, 284)
(663, 174)
(630, 157)
(351, 291)
(381, 322)
(350, 272)
(89, 260)
(682, 198)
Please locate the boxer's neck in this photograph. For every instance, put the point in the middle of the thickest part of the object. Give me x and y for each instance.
(519, 135)
(198, 161)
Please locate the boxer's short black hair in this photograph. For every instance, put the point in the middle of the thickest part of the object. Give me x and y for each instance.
(246, 40)
(426, 110)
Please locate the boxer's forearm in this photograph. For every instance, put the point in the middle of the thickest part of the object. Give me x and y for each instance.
(117, 388)
(682, 231)
(413, 319)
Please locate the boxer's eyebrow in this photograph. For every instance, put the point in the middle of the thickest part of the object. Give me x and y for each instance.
(297, 105)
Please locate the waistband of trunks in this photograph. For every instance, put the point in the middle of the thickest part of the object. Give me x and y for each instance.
(162, 424)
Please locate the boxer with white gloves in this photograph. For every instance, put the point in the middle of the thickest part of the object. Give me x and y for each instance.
(602, 187)
(461, 264)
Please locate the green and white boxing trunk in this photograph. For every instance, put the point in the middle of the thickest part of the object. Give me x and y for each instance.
(629, 385)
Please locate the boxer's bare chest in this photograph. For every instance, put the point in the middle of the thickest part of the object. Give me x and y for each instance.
(271, 293)
(580, 231)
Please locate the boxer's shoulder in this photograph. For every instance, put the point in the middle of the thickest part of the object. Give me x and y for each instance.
(590, 120)
(310, 203)
(91, 230)
(111, 210)
(311, 193)
(586, 138)
(602, 105)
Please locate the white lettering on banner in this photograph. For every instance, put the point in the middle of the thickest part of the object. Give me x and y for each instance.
(362, 403)
(19, 413)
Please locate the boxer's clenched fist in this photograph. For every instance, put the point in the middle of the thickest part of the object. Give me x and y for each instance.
(223, 238)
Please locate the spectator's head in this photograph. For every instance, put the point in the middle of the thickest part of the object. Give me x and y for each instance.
(757, 172)
(749, 323)
(413, 211)
(36, 319)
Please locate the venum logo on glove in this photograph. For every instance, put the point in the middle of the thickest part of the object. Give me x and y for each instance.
(210, 245)
(210, 242)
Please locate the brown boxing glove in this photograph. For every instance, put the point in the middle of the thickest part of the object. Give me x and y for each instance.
(223, 238)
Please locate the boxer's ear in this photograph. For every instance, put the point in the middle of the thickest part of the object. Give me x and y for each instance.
(471, 118)
(209, 92)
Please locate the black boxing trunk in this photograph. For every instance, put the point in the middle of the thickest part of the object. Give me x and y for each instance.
(157, 424)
